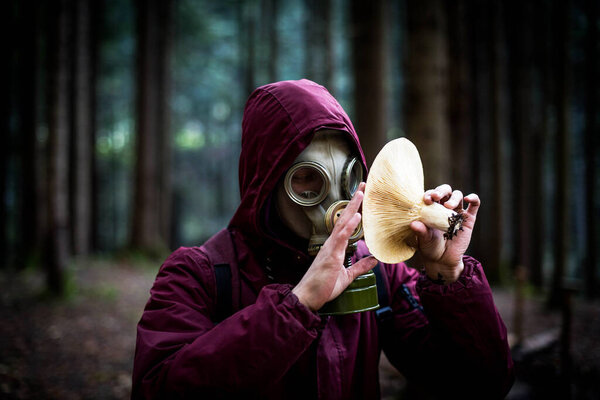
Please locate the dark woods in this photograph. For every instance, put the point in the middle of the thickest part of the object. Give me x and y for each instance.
(121, 120)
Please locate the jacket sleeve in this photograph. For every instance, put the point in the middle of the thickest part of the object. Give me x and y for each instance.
(456, 343)
(181, 353)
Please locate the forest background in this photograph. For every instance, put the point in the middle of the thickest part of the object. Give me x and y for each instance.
(121, 122)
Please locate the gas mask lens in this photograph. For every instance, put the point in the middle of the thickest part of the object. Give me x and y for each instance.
(307, 183)
(352, 176)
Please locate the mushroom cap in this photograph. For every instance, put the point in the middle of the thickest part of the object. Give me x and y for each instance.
(393, 195)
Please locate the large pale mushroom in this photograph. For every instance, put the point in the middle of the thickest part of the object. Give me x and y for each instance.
(394, 199)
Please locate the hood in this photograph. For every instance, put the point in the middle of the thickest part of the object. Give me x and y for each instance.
(279, 122)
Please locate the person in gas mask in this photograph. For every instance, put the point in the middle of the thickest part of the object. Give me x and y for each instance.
(262, 336)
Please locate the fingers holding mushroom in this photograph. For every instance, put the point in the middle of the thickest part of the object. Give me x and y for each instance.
(455, 201)
(474, 203)
(439, 194)
(444, 194)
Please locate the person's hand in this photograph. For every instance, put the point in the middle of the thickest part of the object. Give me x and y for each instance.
(442, 258)
(327, 277)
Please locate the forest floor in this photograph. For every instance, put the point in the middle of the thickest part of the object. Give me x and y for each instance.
(81, 347)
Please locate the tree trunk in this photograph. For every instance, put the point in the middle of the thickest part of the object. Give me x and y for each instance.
(328, 60)
(97, 14)
(562, 226)
(27, 123)
(57, 241)
(546, 64)
(426, 103)
(246, 40)
(520, 41)
(272, 16)
(5, 87)
(534, 160)
(460, 87)
(318, 52)
(310, 40)
(83, 128)
(368, 25)
(485, 242)
(43, 78)
(152, 173)
(497, 54)
(164, 151)
(592, 147)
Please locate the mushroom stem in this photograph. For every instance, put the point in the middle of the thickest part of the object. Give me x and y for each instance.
(441, 218)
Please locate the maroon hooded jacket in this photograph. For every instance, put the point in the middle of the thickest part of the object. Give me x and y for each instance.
(276, 348)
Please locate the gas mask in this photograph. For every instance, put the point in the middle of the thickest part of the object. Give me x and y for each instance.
(317, 188)
(310, 199)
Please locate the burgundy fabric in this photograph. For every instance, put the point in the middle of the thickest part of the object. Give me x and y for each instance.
(274, 347)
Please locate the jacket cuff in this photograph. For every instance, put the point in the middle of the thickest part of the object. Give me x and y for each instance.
(291, 302)
(426, 285)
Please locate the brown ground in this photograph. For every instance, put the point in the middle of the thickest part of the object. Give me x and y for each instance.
(82, 347)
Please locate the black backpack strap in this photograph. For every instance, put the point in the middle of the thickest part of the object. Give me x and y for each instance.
(410, 298)
(384, 312)
(222, 253)
(224, 307)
